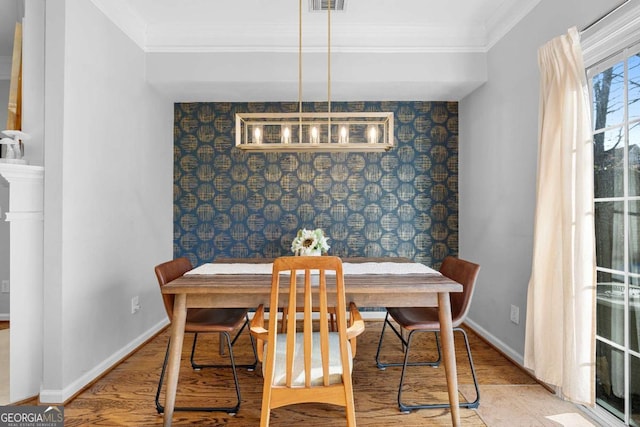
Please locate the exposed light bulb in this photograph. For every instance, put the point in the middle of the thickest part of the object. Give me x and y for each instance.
(315, 135)
(257, 135)
(343, 138)
(372, 135)
(285, 134)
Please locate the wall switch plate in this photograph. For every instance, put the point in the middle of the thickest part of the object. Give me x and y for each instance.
(135, 305)
(5, 287)
(515, 314)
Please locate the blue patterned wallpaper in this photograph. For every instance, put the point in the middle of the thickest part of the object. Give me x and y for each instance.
(231, 203)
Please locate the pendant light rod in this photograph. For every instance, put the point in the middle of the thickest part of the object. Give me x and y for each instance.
(329, 67)
(300, 56)
(329, 56)
(300, 66)
(314, 131)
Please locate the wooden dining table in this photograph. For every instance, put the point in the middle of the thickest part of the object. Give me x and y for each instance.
(371, 289)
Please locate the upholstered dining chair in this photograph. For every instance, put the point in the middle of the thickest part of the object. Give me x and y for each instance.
(425, 319)
(204, 320)
(308, 362)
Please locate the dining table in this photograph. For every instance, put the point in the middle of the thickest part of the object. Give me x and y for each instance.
(369, 282)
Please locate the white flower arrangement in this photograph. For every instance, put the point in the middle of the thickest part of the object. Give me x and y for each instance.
(309, 242)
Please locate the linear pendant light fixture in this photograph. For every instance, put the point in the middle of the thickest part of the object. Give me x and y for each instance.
(315, 131)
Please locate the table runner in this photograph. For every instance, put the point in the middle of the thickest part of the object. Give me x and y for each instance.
(347, 267)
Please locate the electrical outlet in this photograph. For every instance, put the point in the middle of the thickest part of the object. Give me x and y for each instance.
(515, 314)
(135, 305)
(5, 287)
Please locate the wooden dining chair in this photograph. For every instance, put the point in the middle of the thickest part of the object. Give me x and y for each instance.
(425, 319)
(223, 321)
(332, 318)
(307, 363)
(331, 310)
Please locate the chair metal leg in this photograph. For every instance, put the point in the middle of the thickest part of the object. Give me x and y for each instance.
(383, 365)
(250, 366)
(476, 402)
(159, 407)
(194, 365)
(407, 408)
(232, 410)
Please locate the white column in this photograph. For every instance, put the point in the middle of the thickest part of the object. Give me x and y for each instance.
(25, 216)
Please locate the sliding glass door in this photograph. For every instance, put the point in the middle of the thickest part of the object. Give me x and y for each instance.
(615, 85)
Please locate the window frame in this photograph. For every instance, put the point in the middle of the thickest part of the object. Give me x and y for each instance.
(612, 41)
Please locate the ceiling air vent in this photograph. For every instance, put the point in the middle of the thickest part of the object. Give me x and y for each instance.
(320, 5)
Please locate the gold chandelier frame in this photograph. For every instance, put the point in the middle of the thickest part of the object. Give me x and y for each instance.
(315, 131)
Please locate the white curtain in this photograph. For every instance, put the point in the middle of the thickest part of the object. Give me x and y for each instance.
(560, 331)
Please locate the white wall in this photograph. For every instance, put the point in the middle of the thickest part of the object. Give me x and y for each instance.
(498, 166)
(4, 102)
(4, 206)
(33, 66)
(108, 197)
(247, 76)
(4, 248)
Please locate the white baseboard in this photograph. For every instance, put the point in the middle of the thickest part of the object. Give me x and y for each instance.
(4, 317)
(486, 335)
(61, 396)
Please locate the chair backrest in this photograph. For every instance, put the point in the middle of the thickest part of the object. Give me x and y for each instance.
(168, 271)
(465, 273)
(312, 278)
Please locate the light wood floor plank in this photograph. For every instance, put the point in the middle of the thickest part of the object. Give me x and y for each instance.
(124, 397)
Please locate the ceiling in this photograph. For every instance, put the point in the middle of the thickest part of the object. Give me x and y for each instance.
(259, 25)
(422, 30)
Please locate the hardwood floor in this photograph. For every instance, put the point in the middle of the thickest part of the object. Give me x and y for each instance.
(125, 396)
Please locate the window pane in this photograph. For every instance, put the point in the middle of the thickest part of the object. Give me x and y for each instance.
(634, 159)
(610, 307)
(608, 97)
(608, 160)
(634, 87)
(634, 232)
(610, 379)
(616, 139)
(634, 316)
(634, 393)
(610, 235)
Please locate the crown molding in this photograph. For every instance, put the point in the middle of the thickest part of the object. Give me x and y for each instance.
(285, 49)
(284, 39)
(506, 18)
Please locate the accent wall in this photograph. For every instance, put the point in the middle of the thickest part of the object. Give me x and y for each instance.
(230, 203)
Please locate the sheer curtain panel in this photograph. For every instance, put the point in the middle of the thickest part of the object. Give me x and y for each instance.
(560, 329)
